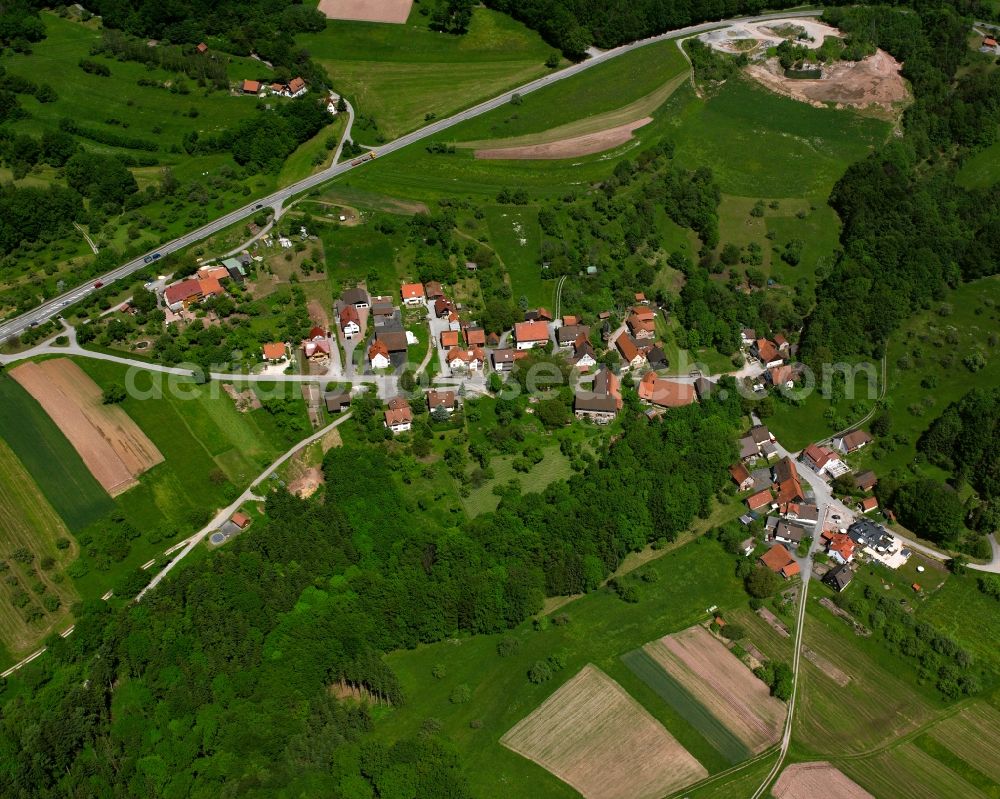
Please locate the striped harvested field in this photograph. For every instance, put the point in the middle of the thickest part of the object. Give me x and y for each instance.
(720, 682)
(908, 773)
(591, 734)
(973, 735)
(111, 445)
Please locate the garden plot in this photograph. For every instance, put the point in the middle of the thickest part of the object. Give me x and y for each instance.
(722, 684)
(112, 446)
(594, 736)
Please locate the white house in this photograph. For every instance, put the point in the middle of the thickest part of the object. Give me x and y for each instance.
(531, 334)
(350, 322)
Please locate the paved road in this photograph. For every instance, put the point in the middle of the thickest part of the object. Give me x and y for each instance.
(52, 307)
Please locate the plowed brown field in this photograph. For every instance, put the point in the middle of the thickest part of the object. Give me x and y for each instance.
(111, 445)
(717, 679)
(573, 147)
(594, 736)
(810, 780)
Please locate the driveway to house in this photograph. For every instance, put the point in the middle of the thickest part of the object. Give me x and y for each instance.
(247, 495)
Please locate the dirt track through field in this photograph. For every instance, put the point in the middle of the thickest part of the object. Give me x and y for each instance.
(809, 780)
(717, 679)
(111, 445)
(594, 736)
(576, 146)
(367, 10)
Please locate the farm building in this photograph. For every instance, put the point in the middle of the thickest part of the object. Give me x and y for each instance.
(779, 560)
(603, 402)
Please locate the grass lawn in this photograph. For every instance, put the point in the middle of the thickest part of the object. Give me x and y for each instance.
(303, 161)
(211, 452)
(881, 702)
(962, 611)
(737, 783)
(515, 234)
(30, 523)
(601, 628)
(49, 458)
(738, 134)
(982, 170)
(362, 253)
(400, 74)
(797, 426)
(622, 90)
(553, 466)
(906, 771)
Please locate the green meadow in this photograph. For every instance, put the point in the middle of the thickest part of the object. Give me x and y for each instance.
(49, 458)
(141, 111)
(401, 75)
(982, 170)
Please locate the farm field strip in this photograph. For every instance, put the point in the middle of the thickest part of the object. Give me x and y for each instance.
(49, 458)
(642, 664)
(29, 522)
(597, 738)
(874, 708)
(810, 780)
(906, 772)
(723, 684)
(973, 735)
(572, 147)
(110, 443)
(596, 123)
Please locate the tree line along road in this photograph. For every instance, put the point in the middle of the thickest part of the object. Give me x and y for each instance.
(54, 306)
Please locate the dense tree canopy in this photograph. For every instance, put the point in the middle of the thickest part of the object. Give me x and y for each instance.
(908, 229)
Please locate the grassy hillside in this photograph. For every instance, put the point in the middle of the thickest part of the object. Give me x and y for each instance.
(398, 75)
(90, 100)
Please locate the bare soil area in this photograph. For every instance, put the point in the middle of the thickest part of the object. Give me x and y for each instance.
(111, 445)
(723, 684)
(318, 314)
(594, 736)
(307, 482)
(367, 10)
(809, 780)
(874, 81)
(573, 147)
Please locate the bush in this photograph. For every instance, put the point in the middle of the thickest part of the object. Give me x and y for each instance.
(540, 672)
(460, 694)
(507, 646)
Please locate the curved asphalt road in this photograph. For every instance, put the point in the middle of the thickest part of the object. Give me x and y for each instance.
(52, 307)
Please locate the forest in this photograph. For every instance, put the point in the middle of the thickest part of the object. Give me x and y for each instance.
(189, 692)
(908, 229)
(963, 441)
